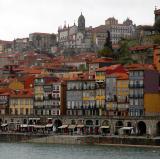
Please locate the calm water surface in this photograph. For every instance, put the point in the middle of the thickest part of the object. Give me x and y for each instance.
(43, 151)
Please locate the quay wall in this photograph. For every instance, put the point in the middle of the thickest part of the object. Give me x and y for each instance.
(68, 139)
(58, 139)
(18, 137)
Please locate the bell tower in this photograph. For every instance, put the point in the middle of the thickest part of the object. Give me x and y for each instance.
(156, 13)
(81, 23)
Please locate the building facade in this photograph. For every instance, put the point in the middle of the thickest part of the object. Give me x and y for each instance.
(4, 103)
(47, 99)
(75, 37)
(142, 80)
(42, 42)
(118, 31)
(83, 98)
(21, 102)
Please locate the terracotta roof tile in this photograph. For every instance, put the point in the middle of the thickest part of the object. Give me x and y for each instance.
(101, 60)
(140, 47)
(26, 93)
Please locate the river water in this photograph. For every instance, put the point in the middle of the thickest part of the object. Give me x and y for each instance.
(51, 151)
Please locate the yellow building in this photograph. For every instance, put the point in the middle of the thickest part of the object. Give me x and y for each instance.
(100, 98)
(21, 102)
(122, 95)
(16, 85)
(100, 75)
(152, 103)
(117, 91)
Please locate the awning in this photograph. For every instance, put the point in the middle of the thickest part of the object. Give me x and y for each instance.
(3, 125)
(23, 125)
(31, 125)
(104, 127)
(126, 128)
(34, 118)
(63, 126)
(80, 126)
(71, 126)
(14, 123)
(39, 126)
(49, 125)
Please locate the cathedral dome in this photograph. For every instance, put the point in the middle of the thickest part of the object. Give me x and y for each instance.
(81, 23)
(81, 18)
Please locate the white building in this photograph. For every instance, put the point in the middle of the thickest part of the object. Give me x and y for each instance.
(118, 31)
(76, 37)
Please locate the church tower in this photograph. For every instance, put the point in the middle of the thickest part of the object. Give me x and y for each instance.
(81, 23)
(157, 14)
(157, 20)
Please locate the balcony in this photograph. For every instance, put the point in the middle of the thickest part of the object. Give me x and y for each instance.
(136, 95)
(56, 98)
(38, 83)
(100, 85)
(89, 88)
(38, 99)
(136, 85)
(74, 88)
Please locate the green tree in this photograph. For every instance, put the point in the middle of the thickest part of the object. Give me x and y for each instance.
(124, 52)
(107, 49)
(105, 52)
(156, 39)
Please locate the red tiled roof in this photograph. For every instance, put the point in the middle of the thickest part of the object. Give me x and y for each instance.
(101, 28)
(101, 60)
(140, 67)
(5, 42)
(102, 69)
(39, 33)
(26, 93)
(140, 47)
(121, 76)
(5, 90)
(112, 69)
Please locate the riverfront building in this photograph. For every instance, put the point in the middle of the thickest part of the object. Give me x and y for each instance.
(81, 98)
(47, 100)
(143, 79)
(21, 102)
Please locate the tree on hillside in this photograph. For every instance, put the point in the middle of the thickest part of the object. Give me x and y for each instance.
(156, 39)
(107, 49)
(124, 53)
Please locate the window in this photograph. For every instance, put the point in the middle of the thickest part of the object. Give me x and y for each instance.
(21, 101)
(141, 73)
(27, 101)
(16, 111)
(136, 102)
(57, 87)
(27, 111)
(97, 122)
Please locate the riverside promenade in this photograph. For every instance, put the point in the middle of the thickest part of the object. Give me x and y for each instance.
(80, 139)
(97, 139)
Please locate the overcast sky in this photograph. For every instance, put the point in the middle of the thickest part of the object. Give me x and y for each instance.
(18, 18)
